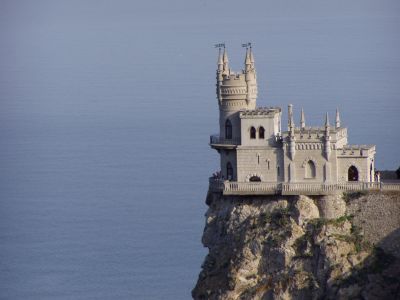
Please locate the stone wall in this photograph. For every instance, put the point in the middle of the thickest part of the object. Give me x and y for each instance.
(262, 162)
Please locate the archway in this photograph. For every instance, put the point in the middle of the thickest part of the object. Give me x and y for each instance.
(255, 179)
(352, 174)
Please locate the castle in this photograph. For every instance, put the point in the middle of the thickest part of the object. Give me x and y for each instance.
(257, 157)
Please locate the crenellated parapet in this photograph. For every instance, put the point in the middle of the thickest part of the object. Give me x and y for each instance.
(260, 112)
(356, 151)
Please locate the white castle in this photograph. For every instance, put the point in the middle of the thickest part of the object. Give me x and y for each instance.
(257, 156)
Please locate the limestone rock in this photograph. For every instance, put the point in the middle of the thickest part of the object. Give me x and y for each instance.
(298, 247)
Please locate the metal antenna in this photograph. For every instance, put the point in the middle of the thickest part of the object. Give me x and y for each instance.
(247, 45)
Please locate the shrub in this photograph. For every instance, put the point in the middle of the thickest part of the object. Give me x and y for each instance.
(398, 173)
(347, 197)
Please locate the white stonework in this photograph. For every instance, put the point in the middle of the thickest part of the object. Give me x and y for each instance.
(253, 147)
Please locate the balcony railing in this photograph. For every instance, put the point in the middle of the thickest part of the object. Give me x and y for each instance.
(271, 188)
(218, 140)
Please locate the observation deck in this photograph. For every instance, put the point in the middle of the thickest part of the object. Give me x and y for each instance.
(218, 142)
(273, 188)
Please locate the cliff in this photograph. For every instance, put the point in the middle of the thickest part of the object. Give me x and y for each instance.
(301, 247)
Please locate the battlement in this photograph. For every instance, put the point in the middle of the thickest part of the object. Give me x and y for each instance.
(316, 134)
(356, 150)
(260, 112)
(233, 76)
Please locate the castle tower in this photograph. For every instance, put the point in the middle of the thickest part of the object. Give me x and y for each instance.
(235, 92)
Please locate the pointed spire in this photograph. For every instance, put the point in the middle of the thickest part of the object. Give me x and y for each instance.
(302, 120)
(247, 61)
(220, 61)
(327, 120)
(290, 118)
(337, 123)
(327, 126)
(327, 144)
(225, 61)
(251, 56)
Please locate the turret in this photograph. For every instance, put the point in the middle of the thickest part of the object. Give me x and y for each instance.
(252, 59)
(220, 70)
(247, 62)
(337, 123)
(302, 120)
(235, 92)
(291, 127)
(250, 76)
(225, 62)
(327, 148)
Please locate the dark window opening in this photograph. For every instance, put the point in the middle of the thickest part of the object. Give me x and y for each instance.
(229, 171)
(261, 132)
(252, 133)
(255, 179)
(228, 129)
(353, 174)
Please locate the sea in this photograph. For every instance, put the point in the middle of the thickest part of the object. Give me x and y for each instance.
(106, 108)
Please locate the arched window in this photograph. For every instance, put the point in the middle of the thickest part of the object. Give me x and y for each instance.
(229, 171)
(228, 129)
(310, 169)
(255, 179)
(352, 174)
(261, 132)
(252, 132)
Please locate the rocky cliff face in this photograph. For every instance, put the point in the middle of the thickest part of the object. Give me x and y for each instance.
(299, 247)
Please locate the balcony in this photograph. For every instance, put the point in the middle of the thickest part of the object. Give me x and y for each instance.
(217, 142)
(273, 188)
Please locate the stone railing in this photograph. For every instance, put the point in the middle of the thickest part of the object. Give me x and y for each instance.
(218, 140)
(271, 188)
(254, 188)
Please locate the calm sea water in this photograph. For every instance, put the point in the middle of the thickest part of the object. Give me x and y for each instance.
(105, 112)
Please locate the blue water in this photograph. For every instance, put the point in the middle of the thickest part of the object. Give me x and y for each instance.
(105, 112)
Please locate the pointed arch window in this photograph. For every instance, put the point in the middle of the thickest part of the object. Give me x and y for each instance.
(228, 129)
(252, 133)
(229, 171)
(261, 132)
(310, 171)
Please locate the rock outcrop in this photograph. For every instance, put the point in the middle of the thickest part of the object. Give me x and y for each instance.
(301, 247)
